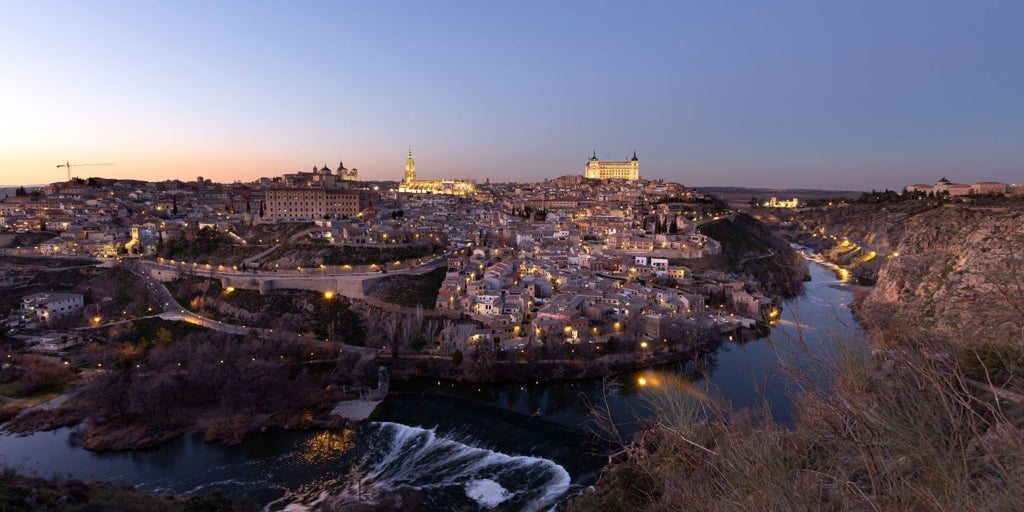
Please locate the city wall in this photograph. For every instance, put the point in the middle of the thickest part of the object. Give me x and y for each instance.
(347, 282)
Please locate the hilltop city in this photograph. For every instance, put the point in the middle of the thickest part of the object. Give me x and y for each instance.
(580, 257)
(148, 310)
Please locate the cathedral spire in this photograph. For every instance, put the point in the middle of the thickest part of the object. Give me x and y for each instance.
(634, 156)
(410, 168)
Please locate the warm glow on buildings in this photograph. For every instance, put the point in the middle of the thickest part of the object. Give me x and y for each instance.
(629, 170)
(411, 185)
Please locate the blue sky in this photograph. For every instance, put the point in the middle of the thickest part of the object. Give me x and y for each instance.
(840, 95)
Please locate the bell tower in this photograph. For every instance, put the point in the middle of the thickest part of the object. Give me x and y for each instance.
(410, 168)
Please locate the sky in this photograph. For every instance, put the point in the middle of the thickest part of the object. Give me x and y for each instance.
(853, 95)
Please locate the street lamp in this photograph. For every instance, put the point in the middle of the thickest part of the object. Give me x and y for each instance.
(328, 295)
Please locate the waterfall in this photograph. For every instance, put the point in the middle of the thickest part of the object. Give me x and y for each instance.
(441, 472)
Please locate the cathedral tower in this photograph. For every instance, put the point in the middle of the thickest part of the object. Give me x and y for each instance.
(410, 168)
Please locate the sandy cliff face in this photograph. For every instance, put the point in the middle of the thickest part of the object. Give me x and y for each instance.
(953, 270)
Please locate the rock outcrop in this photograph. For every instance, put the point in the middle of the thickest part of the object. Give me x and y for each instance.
(940, 269)
(955, 270)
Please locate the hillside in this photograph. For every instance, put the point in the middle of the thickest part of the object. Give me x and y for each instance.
(945, 268)
(931, 419)
(749, 246)
(954, 270)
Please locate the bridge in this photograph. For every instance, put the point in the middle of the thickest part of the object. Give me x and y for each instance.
(346, 280)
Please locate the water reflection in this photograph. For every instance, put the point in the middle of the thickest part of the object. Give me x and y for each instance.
(326, 445)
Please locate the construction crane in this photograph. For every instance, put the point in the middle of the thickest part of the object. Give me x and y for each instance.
(68, 166)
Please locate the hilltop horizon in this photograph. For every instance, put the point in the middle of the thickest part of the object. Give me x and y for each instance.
(9, 189)
(844, 95)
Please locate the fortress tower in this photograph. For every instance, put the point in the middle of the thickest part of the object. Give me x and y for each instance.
(628, 170)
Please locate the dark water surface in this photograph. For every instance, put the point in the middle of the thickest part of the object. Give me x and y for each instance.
(463, 446)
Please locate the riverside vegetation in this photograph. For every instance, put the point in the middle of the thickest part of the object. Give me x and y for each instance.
(932, 419)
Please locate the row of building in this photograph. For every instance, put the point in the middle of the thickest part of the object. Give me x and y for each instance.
(944, 186)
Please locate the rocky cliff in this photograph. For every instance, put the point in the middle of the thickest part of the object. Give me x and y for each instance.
(955, 270)
(942, 269)
(857, 237)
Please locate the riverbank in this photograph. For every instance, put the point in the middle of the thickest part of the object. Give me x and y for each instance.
(118, 426)
(19, 492)
(220, 425)
(913, 401)
(498, 372)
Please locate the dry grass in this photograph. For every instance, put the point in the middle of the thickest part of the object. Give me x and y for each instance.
(907, 429)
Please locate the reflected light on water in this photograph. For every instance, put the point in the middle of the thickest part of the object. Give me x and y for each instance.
(328, 444)
(665, 382)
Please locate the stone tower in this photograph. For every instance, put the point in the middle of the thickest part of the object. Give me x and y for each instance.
(410, 168)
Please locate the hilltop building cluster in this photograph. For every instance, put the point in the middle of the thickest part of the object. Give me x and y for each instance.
(775, 202)
(944, 187)
(574, 258)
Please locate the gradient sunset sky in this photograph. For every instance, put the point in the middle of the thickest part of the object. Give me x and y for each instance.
(813, 94)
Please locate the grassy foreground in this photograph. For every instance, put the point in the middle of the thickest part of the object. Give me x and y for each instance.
(922, 425)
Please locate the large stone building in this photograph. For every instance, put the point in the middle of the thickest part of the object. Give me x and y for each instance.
(613, 170)
(348, 174)
(316, 202)
(944, 186)
(322, 176)
(411, 185)
(320, 194)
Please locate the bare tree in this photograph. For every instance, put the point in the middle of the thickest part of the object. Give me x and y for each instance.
(392, 327)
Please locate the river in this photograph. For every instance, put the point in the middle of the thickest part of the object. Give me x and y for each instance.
(457, 446)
